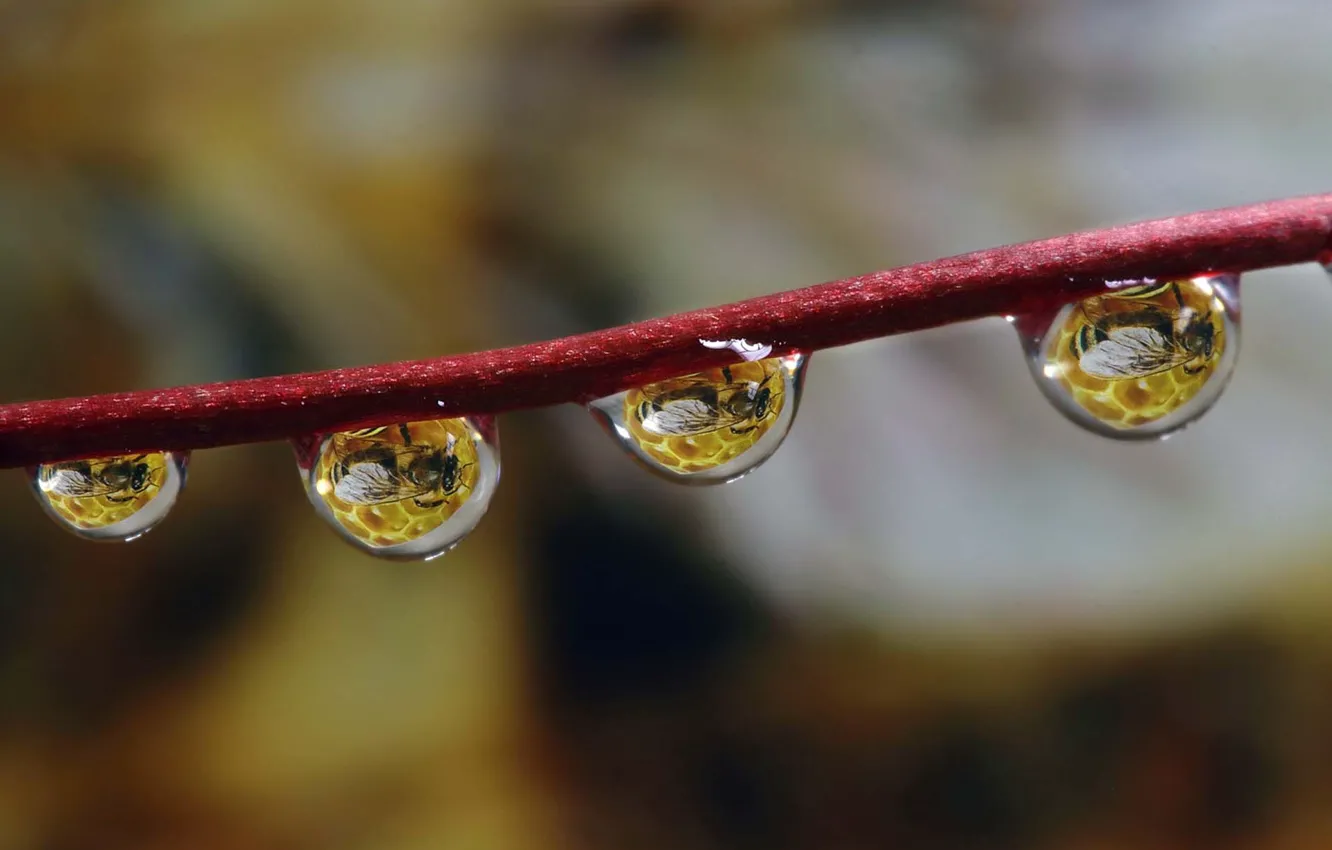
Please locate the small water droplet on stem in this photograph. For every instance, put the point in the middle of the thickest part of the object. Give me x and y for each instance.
(405, 491)
(117, 497)
(710, 427)
(1138, 362)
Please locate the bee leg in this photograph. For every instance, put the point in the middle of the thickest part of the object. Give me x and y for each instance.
(120, 500)
(428, 503)
(406, 435)
(454, 490)
(739, 431)
(1195, 369)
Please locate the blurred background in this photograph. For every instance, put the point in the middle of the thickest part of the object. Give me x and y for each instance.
(942, 617)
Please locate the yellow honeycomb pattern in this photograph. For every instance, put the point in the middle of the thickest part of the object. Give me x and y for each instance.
(1133, 402)
(703, 452)
(401, 521)
(100, 511)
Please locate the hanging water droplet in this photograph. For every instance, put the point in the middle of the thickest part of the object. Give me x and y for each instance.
(1139, 361)
(411, 490)
(711, 427)
(119, 497)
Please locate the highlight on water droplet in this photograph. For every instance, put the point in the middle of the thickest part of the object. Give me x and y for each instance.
(710, 427)
(1139, 361)
(119, 497)
(746, 349)
(406, 491)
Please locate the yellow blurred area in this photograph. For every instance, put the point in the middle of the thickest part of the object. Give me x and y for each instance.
(940, 618)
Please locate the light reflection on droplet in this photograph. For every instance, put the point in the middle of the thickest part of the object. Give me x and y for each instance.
(711, 427)
(117, 497)
(406, 491)
(1138, 362)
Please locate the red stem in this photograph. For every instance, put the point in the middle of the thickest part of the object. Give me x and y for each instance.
(1001, 281)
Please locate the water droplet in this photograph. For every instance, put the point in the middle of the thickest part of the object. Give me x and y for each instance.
(710, 427)
(119, 497)
(408, 491)
(1141, 361)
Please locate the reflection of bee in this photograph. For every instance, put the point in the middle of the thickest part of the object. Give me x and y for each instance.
(1143, 341)
(116, 479)
(371, 470)
(694, 406)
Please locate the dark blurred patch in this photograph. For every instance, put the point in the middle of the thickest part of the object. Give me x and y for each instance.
(638, 31)
(743, 795)
(959, 786)
(1184, 740)
(1242, 699)
(166, 281)
(185, 610)
(589, 289)
(1089, 725)
(623, 607)
(25, 587)
(116, 624)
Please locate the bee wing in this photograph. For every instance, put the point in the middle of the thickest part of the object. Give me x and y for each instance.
(373, 484)
(72, 481)
(1132, 352)
(684, 417)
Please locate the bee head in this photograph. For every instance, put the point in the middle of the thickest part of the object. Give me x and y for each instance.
(139, 477)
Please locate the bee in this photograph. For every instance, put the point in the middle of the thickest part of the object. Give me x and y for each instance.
(697, 405)
(116, 479)
(1143, 341)
(369, 469)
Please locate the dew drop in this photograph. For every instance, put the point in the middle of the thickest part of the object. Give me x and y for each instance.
(119, 497)
(407, 491)
(710, 427)
(1141, 361)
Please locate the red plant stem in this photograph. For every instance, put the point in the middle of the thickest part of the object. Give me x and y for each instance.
(1013, 280)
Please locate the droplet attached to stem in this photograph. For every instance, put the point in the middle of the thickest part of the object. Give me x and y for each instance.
(407, 491)
(120, 497)
(710, 427)
(1140, 361)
